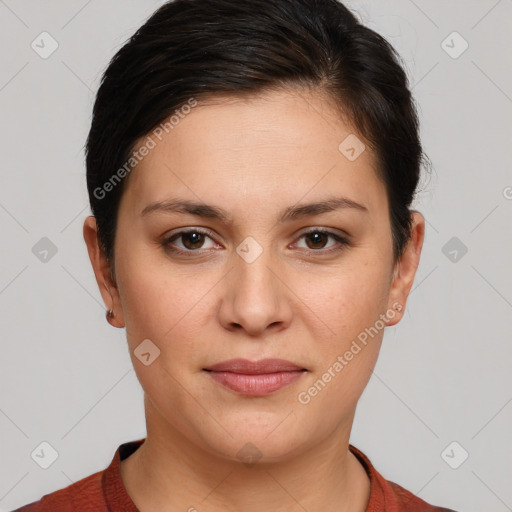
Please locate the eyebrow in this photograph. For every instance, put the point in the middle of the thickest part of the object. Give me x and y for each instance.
(216, 213)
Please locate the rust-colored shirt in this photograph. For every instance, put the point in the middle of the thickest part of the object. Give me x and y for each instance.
(104, 491)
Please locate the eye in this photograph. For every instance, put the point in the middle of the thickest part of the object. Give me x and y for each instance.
(317, 239)
(191, 241)
(194, 240)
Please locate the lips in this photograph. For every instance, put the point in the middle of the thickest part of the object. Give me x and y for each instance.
(255, 378)
(255, 367)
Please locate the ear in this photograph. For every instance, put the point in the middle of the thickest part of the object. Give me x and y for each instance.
(103, 272)
(405, 269)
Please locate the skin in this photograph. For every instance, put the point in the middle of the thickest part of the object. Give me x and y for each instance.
(298, 301)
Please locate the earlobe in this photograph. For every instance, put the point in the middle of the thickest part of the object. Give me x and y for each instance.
(110, 316)
(103, 273)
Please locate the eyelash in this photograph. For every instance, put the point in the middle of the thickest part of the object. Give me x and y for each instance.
(342, 242)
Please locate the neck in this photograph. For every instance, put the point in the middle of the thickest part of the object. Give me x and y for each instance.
(169, 472)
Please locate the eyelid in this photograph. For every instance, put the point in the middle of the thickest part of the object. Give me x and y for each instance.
(191, 229)
(183, 231)
(327, 231)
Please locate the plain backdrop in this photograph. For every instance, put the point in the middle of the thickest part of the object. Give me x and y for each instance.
(441, 390)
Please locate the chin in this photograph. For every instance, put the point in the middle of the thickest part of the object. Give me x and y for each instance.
(259, 443)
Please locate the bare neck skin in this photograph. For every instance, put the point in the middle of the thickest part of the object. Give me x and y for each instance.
(168, 473)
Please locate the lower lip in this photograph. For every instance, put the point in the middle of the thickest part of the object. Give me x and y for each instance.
(255, 385)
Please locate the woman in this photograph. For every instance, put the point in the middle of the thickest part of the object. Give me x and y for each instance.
(250, 167)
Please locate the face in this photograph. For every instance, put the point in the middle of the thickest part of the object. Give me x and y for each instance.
(291, 259)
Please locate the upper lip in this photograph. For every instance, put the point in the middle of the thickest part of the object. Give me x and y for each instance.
(255, 367)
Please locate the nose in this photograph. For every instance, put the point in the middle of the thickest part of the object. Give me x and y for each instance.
(256, 297)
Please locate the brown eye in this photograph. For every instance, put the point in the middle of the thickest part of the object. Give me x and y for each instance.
(323, 241)
(317, 238)
(192, 240)
(189, 242)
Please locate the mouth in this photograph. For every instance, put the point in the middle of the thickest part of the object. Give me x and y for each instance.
(255, 378)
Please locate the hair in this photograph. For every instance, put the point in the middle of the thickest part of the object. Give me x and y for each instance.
(194, 49)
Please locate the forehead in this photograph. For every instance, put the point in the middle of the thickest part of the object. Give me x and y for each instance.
(284, 143)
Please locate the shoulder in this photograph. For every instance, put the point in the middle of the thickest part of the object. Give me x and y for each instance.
(387, 496)
(102, 491)
(409, 502)
(85, 495)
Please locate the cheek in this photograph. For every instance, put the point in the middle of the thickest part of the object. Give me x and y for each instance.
(164, 306)
(333, 394)
(348, 307)
(348, 301)
(346, 357)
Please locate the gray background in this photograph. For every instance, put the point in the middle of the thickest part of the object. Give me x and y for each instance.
(444, 371)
